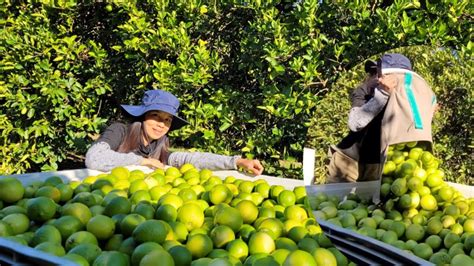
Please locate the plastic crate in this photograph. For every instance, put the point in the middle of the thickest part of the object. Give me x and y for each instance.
(12, 253)
(359, 248)
(364, 250)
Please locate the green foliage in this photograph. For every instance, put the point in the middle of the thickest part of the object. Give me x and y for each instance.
(448, 72)
(250, 74)
(50, 83)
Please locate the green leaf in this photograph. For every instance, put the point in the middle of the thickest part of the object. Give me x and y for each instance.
(224, 126)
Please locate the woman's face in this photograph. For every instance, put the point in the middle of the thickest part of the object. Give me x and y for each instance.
(156, 124)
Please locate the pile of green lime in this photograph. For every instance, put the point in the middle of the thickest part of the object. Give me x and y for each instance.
(175, 216)
(419, 212)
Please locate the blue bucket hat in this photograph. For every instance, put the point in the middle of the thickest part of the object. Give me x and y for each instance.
(394, 61)
(158, 100)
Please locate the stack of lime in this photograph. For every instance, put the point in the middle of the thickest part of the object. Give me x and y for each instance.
(419, 213)
(179, 216)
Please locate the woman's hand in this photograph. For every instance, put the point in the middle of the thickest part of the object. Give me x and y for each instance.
(253, 166)
(152, 163)
(388, 83)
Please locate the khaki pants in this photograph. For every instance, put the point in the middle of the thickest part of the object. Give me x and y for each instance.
(369, 172)
(344, 168)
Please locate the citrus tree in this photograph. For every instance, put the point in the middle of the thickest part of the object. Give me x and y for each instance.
(51, 81)
(249, 73)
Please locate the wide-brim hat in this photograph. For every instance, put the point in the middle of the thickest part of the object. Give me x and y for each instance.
(158, 100)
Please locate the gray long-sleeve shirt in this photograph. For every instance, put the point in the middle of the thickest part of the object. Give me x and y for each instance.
(101, 157)
(360, 116)
(103, 154)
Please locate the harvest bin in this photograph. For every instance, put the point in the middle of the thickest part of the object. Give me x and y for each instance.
(359, 248)
(12, 253)
(365, 250)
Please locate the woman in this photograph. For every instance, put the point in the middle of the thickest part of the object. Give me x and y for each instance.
(144, 142)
